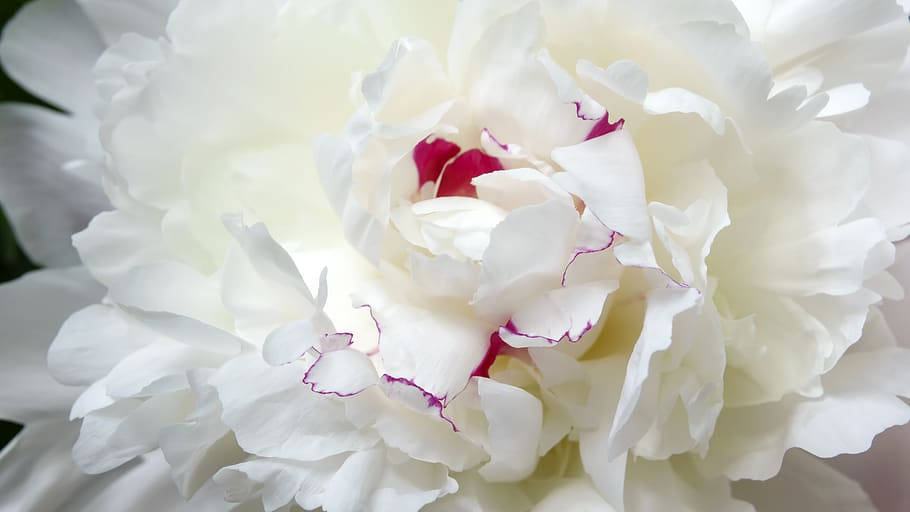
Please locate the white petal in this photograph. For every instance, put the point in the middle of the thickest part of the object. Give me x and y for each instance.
(638, 401)
(343, 372)
(91, 342)
(114, 19)
(805, 483)
(277, 481)
(573, 494)
(45, 204)
(197, 449)
(37, 468)
(845, 98)
(157, 368)
(472, 21)
(676, 99)
(112, 436)
(444, 276)
(353, 483)
(516, 421)
(563, 313)
(512, 188)
(608, 474)
(116, 242)
(39, 62)
(824, 262)
(427, 438)
(837, 422)
(267, 256)
(660, 485)
(290, 341)
(455, 226)
(474, 494)
(890, 172)
(392, 91)
(31, 310)
(38, 473)
(606, 173)
(434, 349)
(170, 287)
(528, 253)
(274, 414)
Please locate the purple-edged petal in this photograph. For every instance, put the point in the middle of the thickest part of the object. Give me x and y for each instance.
(562, 313)
(407, 392)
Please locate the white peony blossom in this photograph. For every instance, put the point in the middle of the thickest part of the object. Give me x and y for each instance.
(512, 255)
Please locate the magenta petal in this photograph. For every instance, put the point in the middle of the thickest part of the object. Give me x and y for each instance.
(431, 157)
(457, 176)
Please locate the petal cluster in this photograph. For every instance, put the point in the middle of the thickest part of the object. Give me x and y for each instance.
(525, 255)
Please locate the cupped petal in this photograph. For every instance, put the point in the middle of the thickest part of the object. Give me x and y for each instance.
(33, 307)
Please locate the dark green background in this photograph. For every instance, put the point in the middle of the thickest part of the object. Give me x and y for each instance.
(13, 262)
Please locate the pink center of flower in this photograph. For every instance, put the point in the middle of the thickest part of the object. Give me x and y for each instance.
(453, 178)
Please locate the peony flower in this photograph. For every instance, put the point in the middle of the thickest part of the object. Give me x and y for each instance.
(522, 255)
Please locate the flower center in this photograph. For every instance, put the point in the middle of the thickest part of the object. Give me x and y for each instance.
(442, 162)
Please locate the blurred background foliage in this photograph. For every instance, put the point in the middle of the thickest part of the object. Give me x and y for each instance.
(13, 262)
